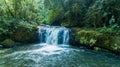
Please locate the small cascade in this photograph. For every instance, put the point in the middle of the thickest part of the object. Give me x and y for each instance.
(53, 35)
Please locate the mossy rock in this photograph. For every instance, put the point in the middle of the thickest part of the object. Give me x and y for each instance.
(93, 39)
(116, 44)
(87, 37)
(25, 34)
(8, 43)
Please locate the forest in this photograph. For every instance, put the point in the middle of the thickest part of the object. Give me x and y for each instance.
(94, 24)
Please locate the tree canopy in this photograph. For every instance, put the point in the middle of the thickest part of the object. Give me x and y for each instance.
(70, 13)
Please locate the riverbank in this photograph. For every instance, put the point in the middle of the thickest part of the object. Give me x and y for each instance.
(98, 40)
(22, 34)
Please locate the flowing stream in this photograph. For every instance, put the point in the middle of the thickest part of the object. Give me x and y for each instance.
(54, 51)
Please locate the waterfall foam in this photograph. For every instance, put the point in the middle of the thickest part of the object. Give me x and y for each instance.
(53, 35)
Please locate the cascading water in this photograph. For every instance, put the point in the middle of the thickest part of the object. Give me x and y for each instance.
(53, 35)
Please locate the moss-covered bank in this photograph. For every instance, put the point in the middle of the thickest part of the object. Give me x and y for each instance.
(22, 34)
(25, 34)
(98, 40)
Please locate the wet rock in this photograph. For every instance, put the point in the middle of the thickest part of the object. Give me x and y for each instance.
(72, 39)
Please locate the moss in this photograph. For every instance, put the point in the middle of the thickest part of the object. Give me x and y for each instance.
(25, 34)
(109, 42)
(22, 34)
(116, 44)
(87, 37)
(8, 43)
(95, 39)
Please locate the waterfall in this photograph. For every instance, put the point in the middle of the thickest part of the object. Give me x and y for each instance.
(53, 35)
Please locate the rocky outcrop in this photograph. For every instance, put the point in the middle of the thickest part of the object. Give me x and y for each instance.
(97, 40)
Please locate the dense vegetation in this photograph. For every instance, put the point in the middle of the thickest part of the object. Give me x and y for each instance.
(71, 13)
(23, 16)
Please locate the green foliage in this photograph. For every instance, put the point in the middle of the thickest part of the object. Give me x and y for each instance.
(87, 37)
(113, 7)
(113, 29)
(103, 13)
(26, 10)
(96, 39)
(55, 15)
(94, 15)
(15, 14)
(91, 13)
(82, 12)
(66, 12)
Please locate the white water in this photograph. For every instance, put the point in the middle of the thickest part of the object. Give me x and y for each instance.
(53, 39)
(54, 35)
